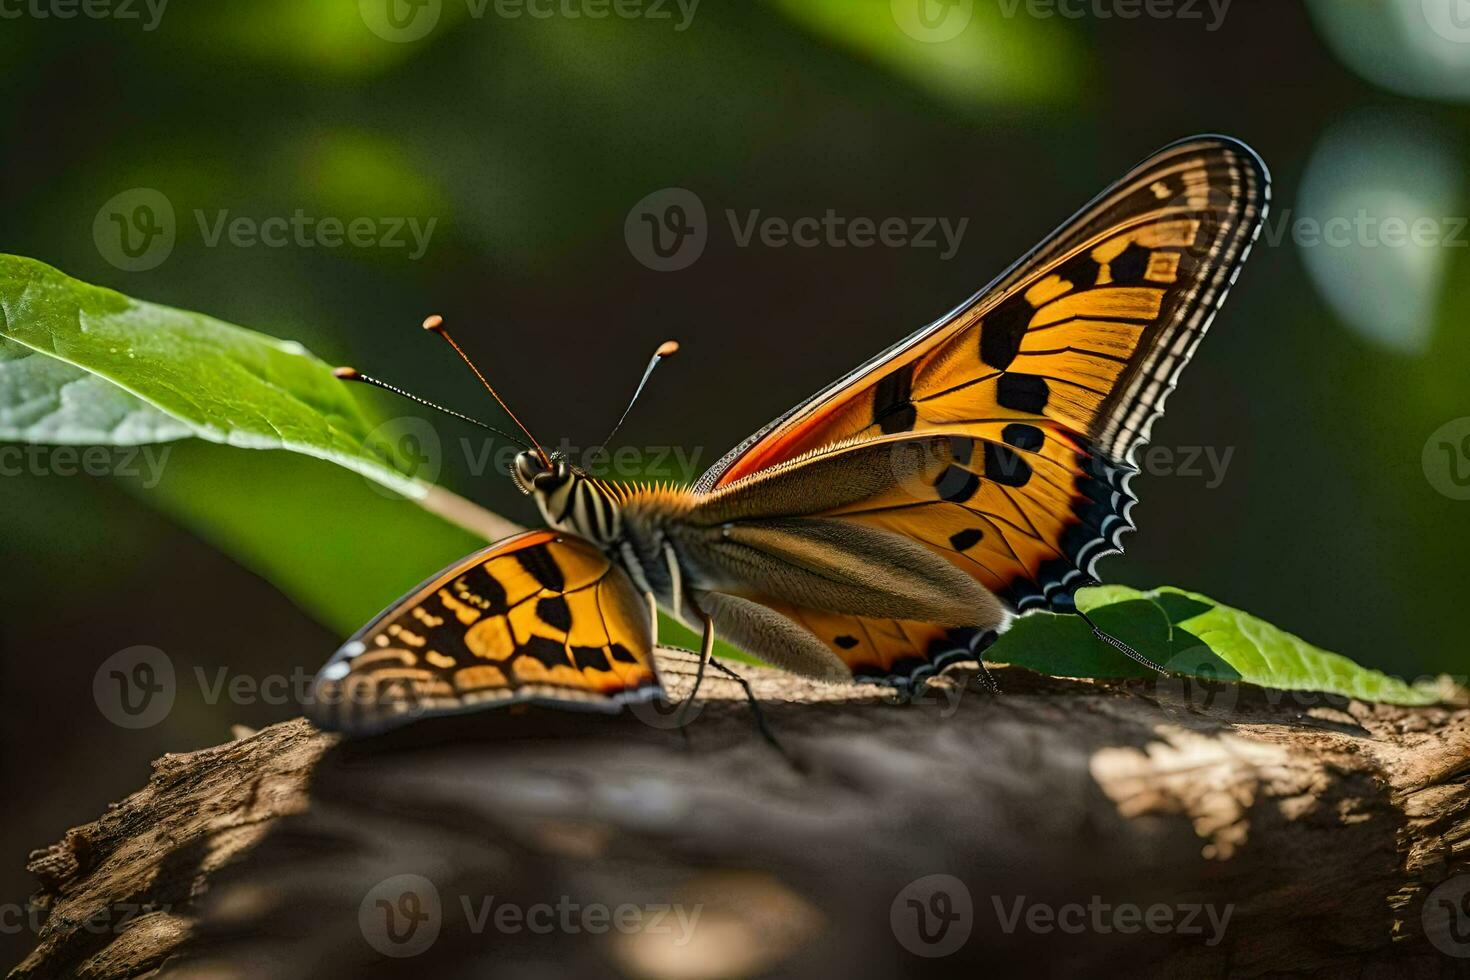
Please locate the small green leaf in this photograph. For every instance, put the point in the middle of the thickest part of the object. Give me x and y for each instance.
(1191, 634)
(1272, 657)
(1179, 606)
(1065, 646)
(224, 383)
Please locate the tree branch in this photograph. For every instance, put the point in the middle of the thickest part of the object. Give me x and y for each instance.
(1155, 828)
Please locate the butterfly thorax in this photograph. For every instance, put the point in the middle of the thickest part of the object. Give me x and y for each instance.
(635, 525)
(571, 501)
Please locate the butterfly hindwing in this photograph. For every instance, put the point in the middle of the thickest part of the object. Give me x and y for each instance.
(1046, 382)
(891, 651)
(542, 616)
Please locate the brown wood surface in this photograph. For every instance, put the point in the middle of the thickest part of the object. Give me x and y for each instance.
(1305, 832)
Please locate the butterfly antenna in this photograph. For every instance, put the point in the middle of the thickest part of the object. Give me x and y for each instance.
(1119, 645)
(666, 349)
(435, 324)
(352, 374)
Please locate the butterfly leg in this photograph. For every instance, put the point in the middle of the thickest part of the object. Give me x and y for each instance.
(756, 713)
(706, 649)
(982, 675)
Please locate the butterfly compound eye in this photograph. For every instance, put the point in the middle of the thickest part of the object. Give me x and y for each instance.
(525, 469)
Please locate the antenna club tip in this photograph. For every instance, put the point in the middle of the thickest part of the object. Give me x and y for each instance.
(346, 373)
(434, 322)
(668, 348)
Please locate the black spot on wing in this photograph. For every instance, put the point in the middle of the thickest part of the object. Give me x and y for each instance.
(550, 652)
(1130, 265)
(966, 539)
(845, 642)
(1023, 436)
(539, 564)
(1002, 331)
(481, 584)
(554, 612)
(956, 484)
(1005, 466)
(590, 657)
(1022, 392)
(892, 409)
(622, 654)
(1081, 271)
(962, 448)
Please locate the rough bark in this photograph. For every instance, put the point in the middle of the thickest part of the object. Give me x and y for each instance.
(1320, 825)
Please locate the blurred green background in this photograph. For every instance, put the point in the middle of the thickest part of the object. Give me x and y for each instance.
(1331, 382)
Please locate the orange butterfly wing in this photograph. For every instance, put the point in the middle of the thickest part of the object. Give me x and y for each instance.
(541, 616)
(1047, 381)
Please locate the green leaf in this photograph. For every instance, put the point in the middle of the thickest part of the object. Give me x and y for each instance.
(45, 400)
(1191, 634)
(224, 383)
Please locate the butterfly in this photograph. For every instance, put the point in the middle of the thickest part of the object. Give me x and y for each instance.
(886, 528)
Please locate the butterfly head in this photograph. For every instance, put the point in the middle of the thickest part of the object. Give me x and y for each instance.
(535, 474)
(569, 500)
(567, 497)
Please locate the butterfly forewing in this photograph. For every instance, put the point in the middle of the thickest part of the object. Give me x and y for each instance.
(1088, 330)
(1043, 387)
(542, 616)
